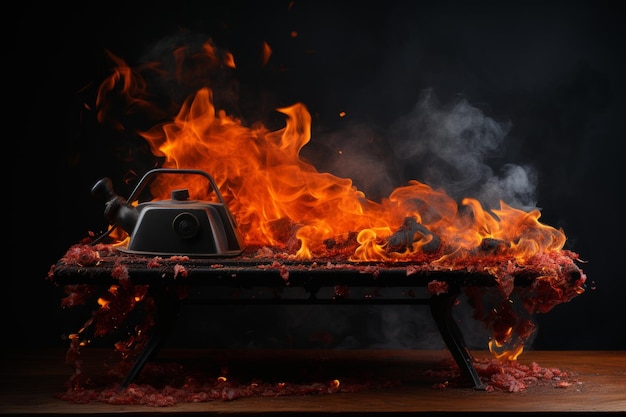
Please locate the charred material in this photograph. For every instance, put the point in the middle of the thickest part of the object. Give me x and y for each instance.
(410, 232)
(493, 246)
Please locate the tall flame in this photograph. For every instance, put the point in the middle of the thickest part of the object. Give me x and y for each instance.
(272, 191)
(281, 200)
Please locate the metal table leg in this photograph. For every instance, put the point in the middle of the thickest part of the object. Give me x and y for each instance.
(441, 309)
(167, 310)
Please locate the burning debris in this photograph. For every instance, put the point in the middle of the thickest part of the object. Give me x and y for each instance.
(166, 384)
(284, 215)
(410, 233)
(128, 309)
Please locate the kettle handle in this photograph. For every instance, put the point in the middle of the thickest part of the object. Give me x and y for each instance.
(144, 180)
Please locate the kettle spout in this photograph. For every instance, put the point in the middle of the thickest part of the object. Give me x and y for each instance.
(116, 210)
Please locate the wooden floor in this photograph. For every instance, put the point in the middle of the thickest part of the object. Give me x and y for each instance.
(30, 379)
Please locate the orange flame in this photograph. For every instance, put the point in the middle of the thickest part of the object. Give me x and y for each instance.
(509, 353)
(277, 198)
(272, 192)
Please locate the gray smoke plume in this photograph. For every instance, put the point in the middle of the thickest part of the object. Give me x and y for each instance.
(451, 147)
(454, 147)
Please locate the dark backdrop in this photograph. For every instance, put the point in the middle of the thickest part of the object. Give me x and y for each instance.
(553, 72)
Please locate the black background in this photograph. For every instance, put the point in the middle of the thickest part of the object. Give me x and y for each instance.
(555, 70)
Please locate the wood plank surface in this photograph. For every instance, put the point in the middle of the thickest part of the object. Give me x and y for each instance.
(30, 379)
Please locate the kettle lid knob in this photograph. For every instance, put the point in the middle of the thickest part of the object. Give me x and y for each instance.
(180, 195)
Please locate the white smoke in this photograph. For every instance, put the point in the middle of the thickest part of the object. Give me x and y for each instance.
(357, 151)
(450, 147)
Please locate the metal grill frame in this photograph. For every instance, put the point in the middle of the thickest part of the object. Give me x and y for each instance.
(214, 281)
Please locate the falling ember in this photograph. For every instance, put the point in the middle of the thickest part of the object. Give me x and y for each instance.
(266, 53)
(103, 303)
